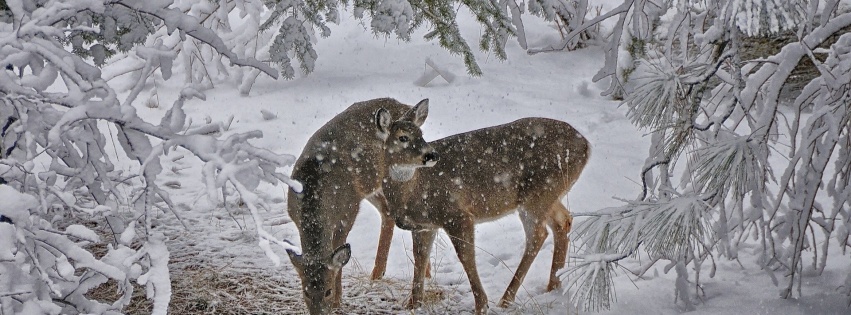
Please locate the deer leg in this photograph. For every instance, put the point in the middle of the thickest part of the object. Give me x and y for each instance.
(384, 238)
(560, 222)
(536, 232)
(341, 232)
(462, 232)
(423, 241)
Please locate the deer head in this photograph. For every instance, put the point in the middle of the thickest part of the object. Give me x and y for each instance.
(404, 146)
(318, 278)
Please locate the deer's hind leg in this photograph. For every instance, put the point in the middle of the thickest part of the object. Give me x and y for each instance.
(560, 221)
(535, 226)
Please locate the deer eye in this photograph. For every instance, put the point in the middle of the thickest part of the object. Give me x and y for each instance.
(327, 293)
(403, 139)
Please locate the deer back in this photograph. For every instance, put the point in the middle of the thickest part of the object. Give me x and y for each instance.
(490, 172)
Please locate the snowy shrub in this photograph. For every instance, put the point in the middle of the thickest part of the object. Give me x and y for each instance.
(58, 112)
(710, 189)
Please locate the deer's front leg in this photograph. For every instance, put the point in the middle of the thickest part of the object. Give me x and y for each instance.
(423, 241)
(341, 232)
(385, 237)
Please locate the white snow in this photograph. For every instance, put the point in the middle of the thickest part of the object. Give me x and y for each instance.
(82, 232)
(15, 205)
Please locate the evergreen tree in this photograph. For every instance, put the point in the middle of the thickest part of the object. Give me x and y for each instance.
(723, 114)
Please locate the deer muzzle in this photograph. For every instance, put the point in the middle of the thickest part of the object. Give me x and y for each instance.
(430, 159)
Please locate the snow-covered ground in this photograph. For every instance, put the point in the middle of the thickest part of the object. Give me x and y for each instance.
(353, 66)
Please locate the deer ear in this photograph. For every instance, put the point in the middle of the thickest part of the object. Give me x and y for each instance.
(418, 114)
(341, 256)
(382, 120)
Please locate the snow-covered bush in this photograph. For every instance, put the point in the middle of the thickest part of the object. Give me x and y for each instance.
(740, 159)
(278, 31)
(58, 112)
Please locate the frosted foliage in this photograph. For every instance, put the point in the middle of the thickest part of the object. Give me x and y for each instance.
(58, 164)
(739, 158)
(393, 16)
(293, 36)
(710, 186)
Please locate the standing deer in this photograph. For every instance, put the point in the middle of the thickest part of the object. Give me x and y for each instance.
(342, 164)
(528, 165)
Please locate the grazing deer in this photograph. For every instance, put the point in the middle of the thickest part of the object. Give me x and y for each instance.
(342, 164)
(483, 175)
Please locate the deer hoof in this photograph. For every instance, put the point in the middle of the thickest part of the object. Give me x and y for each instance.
(377, 275)
(506, 300)
(503, 303)
(482, 311)
(554, 284)
(413, 304)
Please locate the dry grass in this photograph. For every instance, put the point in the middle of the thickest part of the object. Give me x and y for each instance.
(204, 289)
(200, 287)
(207, 285)
(108, 292)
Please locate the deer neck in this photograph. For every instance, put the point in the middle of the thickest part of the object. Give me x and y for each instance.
(403, 195)
(316, 235)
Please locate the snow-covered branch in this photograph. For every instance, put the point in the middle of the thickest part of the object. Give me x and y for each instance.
(54, 161)
(723, 115)
(176, 20)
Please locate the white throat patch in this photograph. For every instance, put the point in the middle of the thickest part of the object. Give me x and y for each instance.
(402, 173)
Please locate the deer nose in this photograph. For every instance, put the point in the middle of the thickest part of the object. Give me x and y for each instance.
(431, 157)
